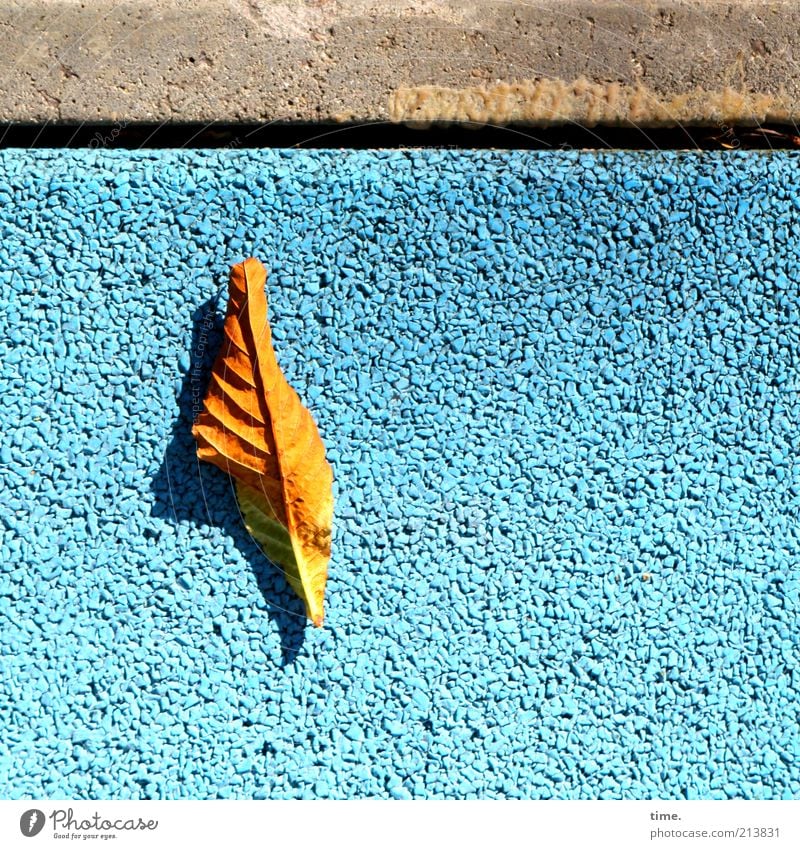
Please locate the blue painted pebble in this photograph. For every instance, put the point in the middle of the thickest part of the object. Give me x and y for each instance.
(560, 395)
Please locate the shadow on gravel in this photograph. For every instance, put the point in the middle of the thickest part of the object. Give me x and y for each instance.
(188, 490)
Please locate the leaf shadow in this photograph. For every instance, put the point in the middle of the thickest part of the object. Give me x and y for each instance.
(186, 490)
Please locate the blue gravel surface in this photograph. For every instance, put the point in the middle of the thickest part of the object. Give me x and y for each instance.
(560, 395)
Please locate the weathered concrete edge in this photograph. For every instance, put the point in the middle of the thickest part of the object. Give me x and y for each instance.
(541, 62)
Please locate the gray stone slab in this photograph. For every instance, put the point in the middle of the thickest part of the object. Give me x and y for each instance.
(540, 62)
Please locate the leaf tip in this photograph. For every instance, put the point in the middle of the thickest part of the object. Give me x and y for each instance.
(315, 609)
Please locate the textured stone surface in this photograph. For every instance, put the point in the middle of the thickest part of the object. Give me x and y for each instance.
(538, 62)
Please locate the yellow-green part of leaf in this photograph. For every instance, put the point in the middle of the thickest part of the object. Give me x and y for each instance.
(306, 580)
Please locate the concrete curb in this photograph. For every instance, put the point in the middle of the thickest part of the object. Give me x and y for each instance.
(541, 62)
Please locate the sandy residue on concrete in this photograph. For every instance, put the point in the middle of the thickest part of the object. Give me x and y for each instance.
(552, 101)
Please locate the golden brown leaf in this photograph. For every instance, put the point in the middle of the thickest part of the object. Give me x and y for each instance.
(254, 427)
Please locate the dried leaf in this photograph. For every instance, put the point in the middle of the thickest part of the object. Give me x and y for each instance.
(254, 427)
